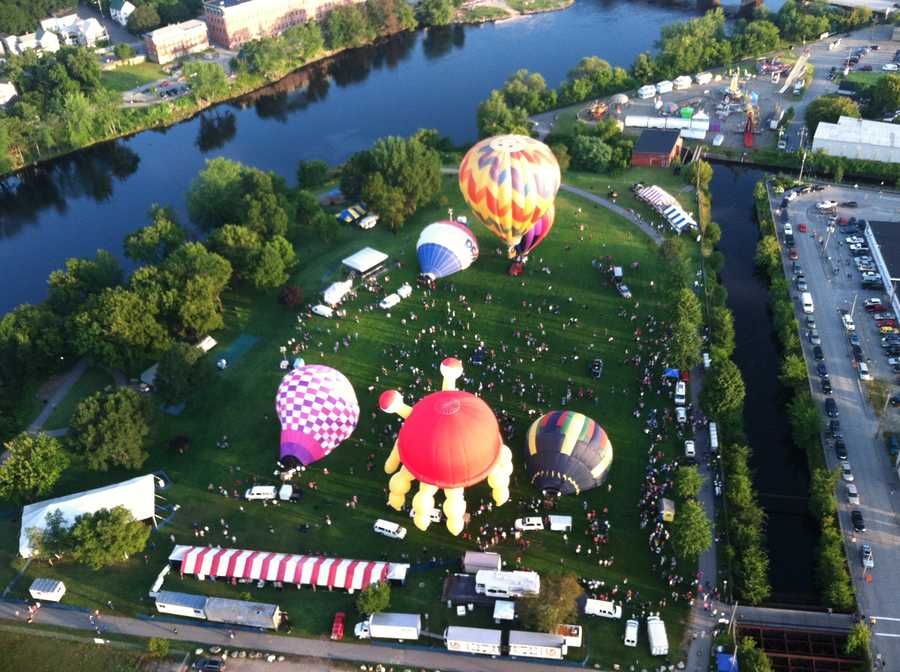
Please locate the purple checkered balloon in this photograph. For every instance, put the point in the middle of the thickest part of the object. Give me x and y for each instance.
(318, 410)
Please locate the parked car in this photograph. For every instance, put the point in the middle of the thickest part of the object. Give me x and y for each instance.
(846, 472)
(840, 449)
(826, 385)
(831, 409)
(793, 255)
(834, 428)
(852, 494)
(389, 301)
(849, 204)
(818, 355)
(209, 665)
(529, 524)
(596, 368)
(825, 206)
(822, 370)
(848, 323)
(872, 305)
(813, 337)
(323, 310)
(624, 292)
(866, 557)
(856, 517)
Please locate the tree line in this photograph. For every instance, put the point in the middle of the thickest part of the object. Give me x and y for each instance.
(684, 48)
(832, 575)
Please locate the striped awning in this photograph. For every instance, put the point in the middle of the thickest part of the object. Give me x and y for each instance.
(678, 219)
(657, 197)
(312, 570)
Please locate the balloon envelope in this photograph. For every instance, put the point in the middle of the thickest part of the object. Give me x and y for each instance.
(510, 182)
(445, 248)
(318, 410)
(567, 452)
(535, 236)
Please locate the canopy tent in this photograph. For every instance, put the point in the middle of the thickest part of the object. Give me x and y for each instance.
(148, 377)
(365, 261)
(138, 495)
(659, 198)
(678, 219)
(336, 292)
(234, 563)
(504, 610)
(206, 344)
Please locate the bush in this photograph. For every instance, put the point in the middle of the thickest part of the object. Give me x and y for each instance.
(158, 647)
(374, 599)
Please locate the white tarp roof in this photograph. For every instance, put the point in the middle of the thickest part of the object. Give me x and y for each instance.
(336, 292)
(207, 344)
(364, 260)
(504, 610)
(138, 495)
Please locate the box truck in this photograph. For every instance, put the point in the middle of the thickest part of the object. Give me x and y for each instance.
(388, 625)
(507, 584)
(656, 634)
(473, 640)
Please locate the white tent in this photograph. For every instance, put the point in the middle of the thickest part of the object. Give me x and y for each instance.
(336, 292)
(365, 260)
(138, 495)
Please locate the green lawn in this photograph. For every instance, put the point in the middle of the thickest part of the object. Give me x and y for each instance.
(239, 403)
(91, 381)
(39, 653)
(865, 77)
(131, 76)
(538, 5)
(485, 13)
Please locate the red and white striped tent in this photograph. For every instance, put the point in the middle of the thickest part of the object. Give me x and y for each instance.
(312, 570)
(659, 198)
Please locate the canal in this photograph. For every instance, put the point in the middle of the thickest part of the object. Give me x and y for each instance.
(780, 470)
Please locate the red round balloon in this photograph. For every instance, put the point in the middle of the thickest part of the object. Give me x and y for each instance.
(451, 439)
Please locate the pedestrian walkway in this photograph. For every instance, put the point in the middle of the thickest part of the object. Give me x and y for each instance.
(69, 380)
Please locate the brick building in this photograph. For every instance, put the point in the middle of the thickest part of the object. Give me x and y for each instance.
(656, 147)
(234, 22)
(169, 42)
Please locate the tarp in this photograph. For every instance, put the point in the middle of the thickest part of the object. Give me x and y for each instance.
(726, 662)
(301, 570)
(671, 373)
(138, 495)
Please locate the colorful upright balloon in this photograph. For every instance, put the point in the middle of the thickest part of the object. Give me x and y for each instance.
(318, 410)
(535, 236)
(449, 440)
(445, 248)
(567, 452)
(510, 182)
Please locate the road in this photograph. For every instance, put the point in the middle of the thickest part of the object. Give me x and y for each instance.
(877, 482)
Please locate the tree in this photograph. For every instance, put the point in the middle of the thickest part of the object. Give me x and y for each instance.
(182, 368)
(387, 201)
(154, 242)
(207, 79)
(527, 90)
(214, 195)
(143, 19)
(752, 659)
(33, 466)
(686, 343)
(435, 12)
(496, 117)
(347, 26)
(123, 51)
(688, 308)
(290, 296)
(240, 245)
(691, 531)
(107, 537)
(675, 264)
(723, 391)
(82, 279)
(110, 429)
(832, 576)
(311, 174)
(563, 158)
(768, 255)
(52, 539)
(822, 502)
(374, 599)
(885, 95)
(197, 277)
(688, 482)
(644, 68)
(721, 331)
(555, 604)
(793, 370)
(699, 173)
(272, 263)
(305, 40)
(830, 108)
(759, 37)
(858, 640)
(590, 153)
(158, 647)
(804, 419)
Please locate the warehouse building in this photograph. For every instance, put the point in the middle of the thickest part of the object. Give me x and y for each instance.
(179, 39)
(859, 139)
(883, 239)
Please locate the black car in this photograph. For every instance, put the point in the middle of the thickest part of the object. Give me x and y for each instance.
(895, 400)
(818, 187)
(826, 386)
(209, 665)
(822, 370)
(856, 517)
(596, 368)
(840, 449)
(818, 354)
(849, 204)
(834, 428)
(831, 409)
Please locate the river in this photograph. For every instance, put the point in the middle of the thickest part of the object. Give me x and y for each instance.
(780, 470)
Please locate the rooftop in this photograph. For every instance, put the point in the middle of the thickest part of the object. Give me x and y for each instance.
(176, 29)
(225, 3)
(656, 141)
(535, 638)
(887, 234)
(859, 131)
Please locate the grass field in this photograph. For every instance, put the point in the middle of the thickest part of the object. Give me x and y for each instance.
(239, 403)
(91, 381)
(865, 77)
(131, 76)
(484, 13)
(49, 654)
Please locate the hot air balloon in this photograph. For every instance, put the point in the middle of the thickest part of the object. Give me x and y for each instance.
(536, 234)
(318, 410)
(567, 452)
(445, 248)
(510, 182)
(449, 440)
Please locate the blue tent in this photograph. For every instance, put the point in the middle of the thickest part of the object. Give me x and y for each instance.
(726, 662)
(298, 362)
(671, 373)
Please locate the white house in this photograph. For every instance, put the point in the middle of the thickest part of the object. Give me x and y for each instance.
(74, 30)
(42, 40)
(120, 10)
(7, 93)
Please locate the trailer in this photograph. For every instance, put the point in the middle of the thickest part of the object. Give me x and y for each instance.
(656, 634)
(537, 645)
(484, 641)
(474, 561)
(507, 584)
(388, 625)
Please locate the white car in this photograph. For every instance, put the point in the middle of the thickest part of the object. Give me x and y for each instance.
(788, 229)
(389, 529)
(872, 302)
(826, 205)
(404, 291)
(717, 141)
(848, 323)
(530, 523)
(680, 415)
(624, 291)
(389, 301)
(846, 472)
(323, 311)
(368, 222)
(790, 195)
(680, 392)
(852, 494)
(689, 450)
(890, 67)
(864, 372)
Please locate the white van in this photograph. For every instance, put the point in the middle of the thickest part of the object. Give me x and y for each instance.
(807, 301)
(646, 91)
(713, 437)
(864, 371)
(664, 86)
(389, 301)
(602, 608)
(404, 291)
(261, 492)
(680, 392)
(631, 632)
(707, 360)
(532, 523)
(389, 529)
(689, 450)
(323, 311)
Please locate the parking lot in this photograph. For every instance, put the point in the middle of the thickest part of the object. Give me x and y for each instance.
(836, 287)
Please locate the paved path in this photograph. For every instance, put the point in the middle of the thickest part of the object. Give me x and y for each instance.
(877, 591)
(69, 380)
(318, 648)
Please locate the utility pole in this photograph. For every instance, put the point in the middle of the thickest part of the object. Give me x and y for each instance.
(803, 147)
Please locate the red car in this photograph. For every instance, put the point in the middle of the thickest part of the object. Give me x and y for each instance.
(886, 323)
(793, 255)
(802, 227)
(337, 628)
